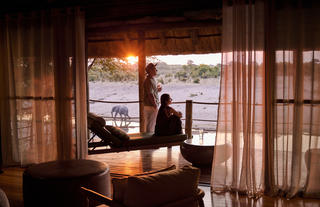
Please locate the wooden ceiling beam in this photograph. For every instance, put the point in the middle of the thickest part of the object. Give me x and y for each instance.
(155, 26)
(205, 14)
(133, 9)
(162, 38)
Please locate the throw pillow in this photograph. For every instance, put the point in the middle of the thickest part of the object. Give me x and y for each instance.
(161, 188)
(120, 184)
(115, 131)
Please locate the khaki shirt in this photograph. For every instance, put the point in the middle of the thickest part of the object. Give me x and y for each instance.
(150, 86)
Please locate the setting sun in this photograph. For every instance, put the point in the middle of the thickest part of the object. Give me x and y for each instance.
(132, 59)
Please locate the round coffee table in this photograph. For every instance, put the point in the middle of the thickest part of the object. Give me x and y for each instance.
(197, 151)
(58, 183)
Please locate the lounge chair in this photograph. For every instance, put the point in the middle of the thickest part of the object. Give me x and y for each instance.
(105, 138)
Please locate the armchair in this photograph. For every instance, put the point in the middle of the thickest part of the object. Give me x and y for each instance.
(169, 188)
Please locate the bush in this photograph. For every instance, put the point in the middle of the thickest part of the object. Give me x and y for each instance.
(92, 77)
(197, 72)
(197, 80)
(181, 75)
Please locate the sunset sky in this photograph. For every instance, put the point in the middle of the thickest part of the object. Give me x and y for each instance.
(209, 59)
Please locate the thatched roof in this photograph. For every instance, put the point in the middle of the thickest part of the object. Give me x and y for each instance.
(162, 27)
(157, 42)
(115, 28)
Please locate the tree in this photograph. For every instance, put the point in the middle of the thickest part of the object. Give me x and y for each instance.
(190, 62)
(197, 72)
(112, 69)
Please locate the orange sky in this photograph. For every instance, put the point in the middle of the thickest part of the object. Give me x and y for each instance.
(209, 59)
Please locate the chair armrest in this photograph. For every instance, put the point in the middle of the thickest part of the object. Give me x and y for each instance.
(200, 195)
(92, 195)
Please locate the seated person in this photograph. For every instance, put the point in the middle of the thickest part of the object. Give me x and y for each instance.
(168, 120)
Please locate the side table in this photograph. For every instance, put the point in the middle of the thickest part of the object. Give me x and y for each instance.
(197, 152)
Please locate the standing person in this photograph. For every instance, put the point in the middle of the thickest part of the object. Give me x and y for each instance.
(151, 98)
(168, 119)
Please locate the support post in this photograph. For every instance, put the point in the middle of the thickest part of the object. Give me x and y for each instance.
(188, 123)
(141, 65)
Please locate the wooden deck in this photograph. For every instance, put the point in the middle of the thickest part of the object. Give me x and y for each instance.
(133, 162)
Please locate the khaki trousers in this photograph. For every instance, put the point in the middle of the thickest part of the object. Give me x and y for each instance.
(150, 117)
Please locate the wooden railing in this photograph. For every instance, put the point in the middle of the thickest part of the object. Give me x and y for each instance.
(188, 113)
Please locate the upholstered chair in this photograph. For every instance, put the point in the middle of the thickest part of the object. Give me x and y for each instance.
(165, 188)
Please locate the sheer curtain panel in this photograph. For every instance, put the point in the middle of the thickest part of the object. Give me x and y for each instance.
(296, 106)
(43, 93)
(241, 109)
(269, 112)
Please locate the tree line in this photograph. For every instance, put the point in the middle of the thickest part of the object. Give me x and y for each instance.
(119, 70)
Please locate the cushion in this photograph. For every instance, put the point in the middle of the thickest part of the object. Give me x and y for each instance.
(172, 167)
(119, 188)
(120, 184)
(95, 119)
(115, 131)
(161, 188)
(139, 139)
(104, 134)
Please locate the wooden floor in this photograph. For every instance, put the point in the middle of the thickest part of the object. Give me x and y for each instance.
(130, 163)
(11, 184)
(136, 162)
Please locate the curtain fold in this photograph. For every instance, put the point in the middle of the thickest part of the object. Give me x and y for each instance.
(241, 109)
(44, 86)
(296, 108)
(269, 112)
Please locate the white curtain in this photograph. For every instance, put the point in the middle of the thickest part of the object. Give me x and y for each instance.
(295, 129)
(43, 93)
(269, 112)
(239, 166)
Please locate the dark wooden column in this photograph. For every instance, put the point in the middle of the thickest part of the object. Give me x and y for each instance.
(188, 123)
(142, 65)
(0, 153)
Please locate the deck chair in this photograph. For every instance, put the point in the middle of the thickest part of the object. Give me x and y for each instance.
(105, 138)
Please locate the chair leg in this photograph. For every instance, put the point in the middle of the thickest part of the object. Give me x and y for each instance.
(201, 203)
(91, 138)
(200, 198)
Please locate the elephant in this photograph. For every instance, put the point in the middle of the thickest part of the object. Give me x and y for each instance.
(121, 110)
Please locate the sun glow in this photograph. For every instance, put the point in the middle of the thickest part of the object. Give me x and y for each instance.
(132, 59)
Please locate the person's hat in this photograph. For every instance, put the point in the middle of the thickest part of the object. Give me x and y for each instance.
(150, 66)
